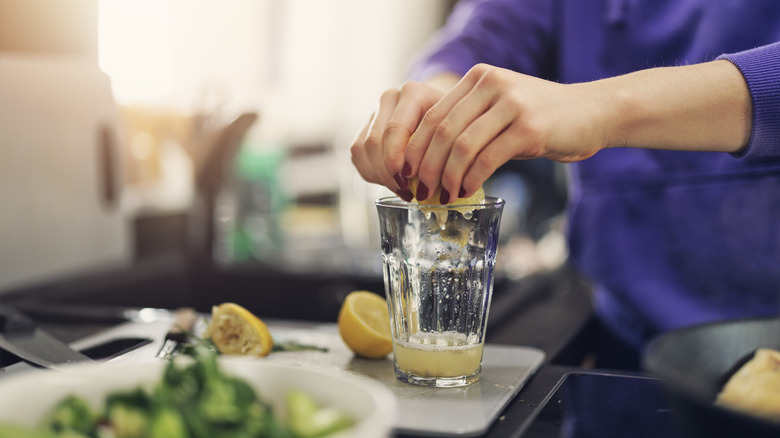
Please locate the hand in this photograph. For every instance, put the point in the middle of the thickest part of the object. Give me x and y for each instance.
(378, 150)
(491, 116)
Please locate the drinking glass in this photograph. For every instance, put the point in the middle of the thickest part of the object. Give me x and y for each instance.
(438, 264)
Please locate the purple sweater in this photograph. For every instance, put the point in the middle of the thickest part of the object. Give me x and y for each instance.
(669, 239)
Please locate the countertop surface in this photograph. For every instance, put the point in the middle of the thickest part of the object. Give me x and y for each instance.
(546, 313)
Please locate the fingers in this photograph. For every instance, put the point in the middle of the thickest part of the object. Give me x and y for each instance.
(414, 99)
(364, 165)
(427, 151)
(477, 139)
(374, 142)
(451, 135)
(378, 150)
(360, 157)
(497, 152)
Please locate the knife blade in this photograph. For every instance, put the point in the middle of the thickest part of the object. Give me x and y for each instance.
(183, 320)
(21, 336)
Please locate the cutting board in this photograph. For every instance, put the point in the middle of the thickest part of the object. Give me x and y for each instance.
(466, 411)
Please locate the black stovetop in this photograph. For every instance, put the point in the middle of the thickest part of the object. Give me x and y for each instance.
(585, 405)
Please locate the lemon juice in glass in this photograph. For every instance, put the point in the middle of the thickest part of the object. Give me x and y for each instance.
(438, 272)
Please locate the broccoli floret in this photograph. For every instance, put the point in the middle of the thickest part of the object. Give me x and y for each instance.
(308, 420)
(72, 414)
(128, 421)
(168, 423)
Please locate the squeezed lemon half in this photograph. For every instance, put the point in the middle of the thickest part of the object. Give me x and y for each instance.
(432, 206)
(236, 331)
(364, 325)
(477, 198)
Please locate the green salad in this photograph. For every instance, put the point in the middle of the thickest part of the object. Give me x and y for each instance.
(194, 399)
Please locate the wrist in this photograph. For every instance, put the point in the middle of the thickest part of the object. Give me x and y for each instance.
(701, 107)
(614, 112)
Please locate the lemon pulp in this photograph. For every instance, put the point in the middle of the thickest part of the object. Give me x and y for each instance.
(236, 331)
(432, 205)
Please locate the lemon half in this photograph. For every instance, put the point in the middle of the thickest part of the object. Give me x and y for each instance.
(236, 331)
(477, 198)
(432, 205)
(364, 325)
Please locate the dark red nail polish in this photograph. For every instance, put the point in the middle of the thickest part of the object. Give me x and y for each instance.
(444, 197)
(406, 170)
(422, 191)
(462, 192)
(406, 195)
(402, 182)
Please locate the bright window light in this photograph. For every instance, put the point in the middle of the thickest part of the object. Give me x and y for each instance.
(136, 46)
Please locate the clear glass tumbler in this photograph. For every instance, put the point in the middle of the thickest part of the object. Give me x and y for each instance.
(438, 274)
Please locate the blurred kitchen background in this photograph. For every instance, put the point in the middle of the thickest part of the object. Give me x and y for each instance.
(218, 131)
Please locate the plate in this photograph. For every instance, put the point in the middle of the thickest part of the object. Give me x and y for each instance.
(26, 397)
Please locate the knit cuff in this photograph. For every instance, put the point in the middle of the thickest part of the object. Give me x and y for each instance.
(761, 69)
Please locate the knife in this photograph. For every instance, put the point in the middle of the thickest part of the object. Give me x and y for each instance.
(183, 320)
(21, 336)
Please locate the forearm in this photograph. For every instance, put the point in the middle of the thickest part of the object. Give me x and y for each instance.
(702, 107)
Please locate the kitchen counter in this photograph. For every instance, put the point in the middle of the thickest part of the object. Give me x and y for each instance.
(546, 312)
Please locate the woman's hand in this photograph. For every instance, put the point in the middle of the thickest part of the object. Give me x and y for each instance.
(491, 116)
(378, 150)
(457, 140)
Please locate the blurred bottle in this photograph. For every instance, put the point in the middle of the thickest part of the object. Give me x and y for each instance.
(249, 205)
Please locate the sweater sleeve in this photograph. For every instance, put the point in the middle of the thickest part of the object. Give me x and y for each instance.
(513, 34)
(761, 68)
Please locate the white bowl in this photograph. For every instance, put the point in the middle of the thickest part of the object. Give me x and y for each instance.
(26, 397)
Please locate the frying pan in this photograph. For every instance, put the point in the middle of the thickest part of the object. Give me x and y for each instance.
(694, 364)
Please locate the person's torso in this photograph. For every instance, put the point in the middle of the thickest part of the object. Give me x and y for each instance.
(675, 237)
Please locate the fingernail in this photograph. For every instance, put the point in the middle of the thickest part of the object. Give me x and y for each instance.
(402, 182)
(422, 191)
(406, 170)
(444, 197)
(406, 195)
(462, 192)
